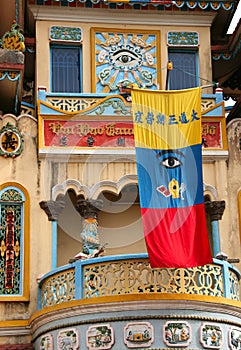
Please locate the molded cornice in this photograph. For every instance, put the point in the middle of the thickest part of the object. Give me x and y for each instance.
(115, 16)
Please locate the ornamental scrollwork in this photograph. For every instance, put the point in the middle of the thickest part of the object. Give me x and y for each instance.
(11, 141)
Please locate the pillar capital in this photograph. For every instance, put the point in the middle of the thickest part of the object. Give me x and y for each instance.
(89, 208)
(52, 208)
(215, 209)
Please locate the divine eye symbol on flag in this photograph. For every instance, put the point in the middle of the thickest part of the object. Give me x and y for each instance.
(171, 159)
(169, 167)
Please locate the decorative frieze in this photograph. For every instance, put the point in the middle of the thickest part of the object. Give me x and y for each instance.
(182, 39)
(175, 334)
(65, 34)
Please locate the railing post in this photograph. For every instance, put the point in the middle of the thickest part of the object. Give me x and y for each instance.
(226, 281)
(79, 282)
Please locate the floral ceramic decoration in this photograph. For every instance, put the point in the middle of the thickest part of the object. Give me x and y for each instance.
(46, 342)
(100, 337)
(211, 336)
(138, 334)
(68, 339)
(177, 333)
(234, 338)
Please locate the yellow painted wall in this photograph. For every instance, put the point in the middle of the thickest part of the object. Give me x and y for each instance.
(43, 52)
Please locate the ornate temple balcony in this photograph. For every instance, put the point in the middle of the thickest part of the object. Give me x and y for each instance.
(112, 276)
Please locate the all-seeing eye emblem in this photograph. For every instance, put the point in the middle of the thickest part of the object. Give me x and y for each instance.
(125, 57)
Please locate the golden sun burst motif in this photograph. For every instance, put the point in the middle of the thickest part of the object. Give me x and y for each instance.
(122, 59)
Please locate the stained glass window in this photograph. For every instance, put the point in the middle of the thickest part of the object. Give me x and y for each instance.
(11, 241)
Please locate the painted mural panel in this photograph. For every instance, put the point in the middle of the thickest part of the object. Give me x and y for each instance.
(234, 338)
(121, 58)
(68, 339)
(177, 333)
(100, 337)
(46, 342)
(139, 334)
(211, 336)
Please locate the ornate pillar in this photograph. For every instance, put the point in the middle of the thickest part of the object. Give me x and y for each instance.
(215, 210)
(53, 209)
(89, 210)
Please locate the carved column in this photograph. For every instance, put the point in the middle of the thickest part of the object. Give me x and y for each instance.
(89, 210)
(53, 209)
(215, 210)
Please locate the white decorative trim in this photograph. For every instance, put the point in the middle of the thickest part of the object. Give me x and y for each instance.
(78, 309)
(12, 331)
(210, 156)
(9, 115)
(94, 191)
(211, 189)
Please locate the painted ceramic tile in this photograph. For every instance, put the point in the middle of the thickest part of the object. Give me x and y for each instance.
(138, 334)
(46, 342)
(234, 338)
(211, 336)
(68, 339)
(177, 333)
(100, 337)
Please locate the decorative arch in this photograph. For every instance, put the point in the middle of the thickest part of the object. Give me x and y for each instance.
(94, 191)
(210, 191)
(14, 242)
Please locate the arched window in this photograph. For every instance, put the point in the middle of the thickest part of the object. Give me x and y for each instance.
(14, 243)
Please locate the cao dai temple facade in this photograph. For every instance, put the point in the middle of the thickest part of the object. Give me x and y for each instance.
(74, 270)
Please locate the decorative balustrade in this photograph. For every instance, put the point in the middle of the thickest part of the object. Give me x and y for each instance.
(80, 103)
(132, 274)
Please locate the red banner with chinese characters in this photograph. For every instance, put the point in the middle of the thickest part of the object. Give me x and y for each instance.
(88, 133)
(111, 134)
(212, 134)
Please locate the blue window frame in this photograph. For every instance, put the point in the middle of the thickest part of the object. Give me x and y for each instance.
(185, 69)
(66, 75)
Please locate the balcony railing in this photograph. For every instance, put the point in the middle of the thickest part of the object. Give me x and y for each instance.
(132, 274)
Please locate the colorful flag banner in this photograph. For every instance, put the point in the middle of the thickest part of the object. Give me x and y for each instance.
(168, 140)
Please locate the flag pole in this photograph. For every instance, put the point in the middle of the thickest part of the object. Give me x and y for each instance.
(210, 85)
(169, 67)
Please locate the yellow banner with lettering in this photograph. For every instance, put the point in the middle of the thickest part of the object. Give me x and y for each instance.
(167, 119)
